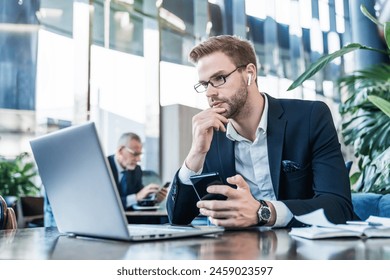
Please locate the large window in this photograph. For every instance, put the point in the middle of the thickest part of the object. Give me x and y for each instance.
(18, 41)
(118, 61)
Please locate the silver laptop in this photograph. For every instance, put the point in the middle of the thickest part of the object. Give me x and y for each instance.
(82, 191)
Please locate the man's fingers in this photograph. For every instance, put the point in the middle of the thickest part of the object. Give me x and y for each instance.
(161, 194)
(228, 223)
(214, 205)
(210, 123)
(210, 118)
(152, 188)
(163, 191)
(220, 189)
(238, 181)
(216, 214)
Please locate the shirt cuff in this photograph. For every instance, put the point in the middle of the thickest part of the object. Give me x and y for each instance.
(131, 200)
(185, 173)
(283, 214)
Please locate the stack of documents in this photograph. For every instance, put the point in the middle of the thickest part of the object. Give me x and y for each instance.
(321, 228)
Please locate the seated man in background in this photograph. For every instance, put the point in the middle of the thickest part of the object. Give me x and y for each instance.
(128, 174)
(282, 156)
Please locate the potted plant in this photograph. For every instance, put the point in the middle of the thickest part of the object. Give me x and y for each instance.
(16, 177)
(366, 126)
(366, 114)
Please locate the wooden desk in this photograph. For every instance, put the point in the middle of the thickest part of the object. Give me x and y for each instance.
(47, 243)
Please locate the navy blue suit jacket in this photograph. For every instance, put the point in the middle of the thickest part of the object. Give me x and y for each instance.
(300, 131)
(134, 185)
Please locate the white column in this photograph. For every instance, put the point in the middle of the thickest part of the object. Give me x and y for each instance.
(152, 86)
(81, 16)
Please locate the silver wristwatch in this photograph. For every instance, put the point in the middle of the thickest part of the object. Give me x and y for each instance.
(264, 213)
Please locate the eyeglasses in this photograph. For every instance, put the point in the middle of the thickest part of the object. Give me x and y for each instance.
(216, 81)
(134, 154)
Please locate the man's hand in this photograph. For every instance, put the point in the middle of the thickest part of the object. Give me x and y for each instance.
(203, 125)
(162, 193)
(239, 210)
(147, 190)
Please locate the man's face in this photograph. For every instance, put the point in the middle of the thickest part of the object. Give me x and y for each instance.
(232, 95)
(130, 155)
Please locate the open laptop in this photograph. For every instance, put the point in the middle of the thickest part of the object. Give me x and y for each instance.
(82, 191)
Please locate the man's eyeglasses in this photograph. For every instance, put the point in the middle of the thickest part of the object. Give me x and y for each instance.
(132, 152)
(216, 81)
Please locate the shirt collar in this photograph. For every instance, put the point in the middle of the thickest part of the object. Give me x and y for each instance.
(233, 135)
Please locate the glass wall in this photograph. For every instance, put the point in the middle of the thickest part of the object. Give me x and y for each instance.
(116, 62)
(18, 41)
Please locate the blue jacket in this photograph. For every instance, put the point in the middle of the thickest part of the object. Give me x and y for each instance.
(133, 186)
(300, 131)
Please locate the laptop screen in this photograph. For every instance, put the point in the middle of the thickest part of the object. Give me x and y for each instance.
(79, 183)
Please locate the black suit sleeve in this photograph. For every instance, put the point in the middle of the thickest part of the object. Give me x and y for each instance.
(181, 203)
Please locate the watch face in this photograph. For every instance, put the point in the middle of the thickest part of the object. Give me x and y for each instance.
(265, 213)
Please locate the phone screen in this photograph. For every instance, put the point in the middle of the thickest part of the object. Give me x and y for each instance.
(202, 181)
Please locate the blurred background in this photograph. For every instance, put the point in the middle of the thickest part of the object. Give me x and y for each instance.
(123, 63)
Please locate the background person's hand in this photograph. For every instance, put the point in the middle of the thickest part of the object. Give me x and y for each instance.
(147, 190)
(240, 208)
(161, 194)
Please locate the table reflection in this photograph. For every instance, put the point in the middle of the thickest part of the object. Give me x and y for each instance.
(343, 248)
(249, 244)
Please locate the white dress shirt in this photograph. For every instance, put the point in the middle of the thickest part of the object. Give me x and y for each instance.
(251, 162)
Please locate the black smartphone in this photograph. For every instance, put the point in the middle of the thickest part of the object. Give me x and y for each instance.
(202, 181)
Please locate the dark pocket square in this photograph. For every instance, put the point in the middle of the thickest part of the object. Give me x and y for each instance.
(290, 166)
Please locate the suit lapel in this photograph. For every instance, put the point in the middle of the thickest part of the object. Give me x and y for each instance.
(275, 139)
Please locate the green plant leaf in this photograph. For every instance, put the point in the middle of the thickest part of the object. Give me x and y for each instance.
(381, 103)
(367, 14)
(387, 33)
(354, 178)
(366, 125)
(16, 176)
(324, 60)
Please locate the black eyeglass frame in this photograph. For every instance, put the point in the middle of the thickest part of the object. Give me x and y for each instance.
(202, 86)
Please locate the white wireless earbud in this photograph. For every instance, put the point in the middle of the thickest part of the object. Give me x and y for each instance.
(249, 79)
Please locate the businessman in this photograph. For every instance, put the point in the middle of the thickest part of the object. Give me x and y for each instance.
(128, 174)
(277, 157)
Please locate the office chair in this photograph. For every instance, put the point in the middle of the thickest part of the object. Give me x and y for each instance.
(7, 216)
(29, 211)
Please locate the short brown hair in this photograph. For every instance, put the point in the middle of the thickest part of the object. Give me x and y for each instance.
(240, 51)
